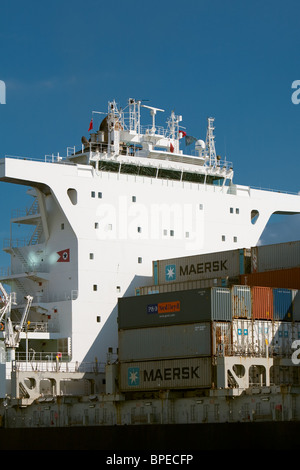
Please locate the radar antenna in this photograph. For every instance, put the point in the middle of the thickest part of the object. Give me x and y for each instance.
(153, 112)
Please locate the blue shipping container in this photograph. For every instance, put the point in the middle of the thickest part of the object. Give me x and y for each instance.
(282, 304)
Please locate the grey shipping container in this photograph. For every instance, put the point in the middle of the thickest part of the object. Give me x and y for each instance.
(241, 302)
(273, 257)
(165, 342)
(167, 374)
(221, 264)
(176, 286)
(171, 308)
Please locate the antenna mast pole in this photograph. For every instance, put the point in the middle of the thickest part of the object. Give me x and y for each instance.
(210, 142)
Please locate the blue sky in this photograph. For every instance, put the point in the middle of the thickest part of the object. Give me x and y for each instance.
(233, 60)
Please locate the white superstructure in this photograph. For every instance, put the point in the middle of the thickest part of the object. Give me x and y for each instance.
(100, 217)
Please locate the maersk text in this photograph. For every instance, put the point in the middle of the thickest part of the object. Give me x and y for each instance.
(202, 268)
(171, 373)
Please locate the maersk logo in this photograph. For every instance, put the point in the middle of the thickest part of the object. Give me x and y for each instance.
(133, 376)
(170, 272)
(2, 92)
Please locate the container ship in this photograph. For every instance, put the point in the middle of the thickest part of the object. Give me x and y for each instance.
(141, 300)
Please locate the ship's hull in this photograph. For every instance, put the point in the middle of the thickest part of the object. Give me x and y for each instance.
(146, 440)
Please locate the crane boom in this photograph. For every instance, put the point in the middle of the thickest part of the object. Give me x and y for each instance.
(12, 333)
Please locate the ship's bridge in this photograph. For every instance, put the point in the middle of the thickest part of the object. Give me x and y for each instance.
(122, 144)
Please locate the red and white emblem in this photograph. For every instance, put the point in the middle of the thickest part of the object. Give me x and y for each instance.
(64, 256)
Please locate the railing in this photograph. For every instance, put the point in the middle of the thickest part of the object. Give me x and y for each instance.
(44, 297)
(250, 351)
(24, 212)
(5, 271)
(38, 327)
(275, 190)
(28, 267)
(16, 242)
(53, 362)
(159, 130)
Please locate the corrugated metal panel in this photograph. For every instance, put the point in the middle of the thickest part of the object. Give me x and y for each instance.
(173, 308)
(285, 278)
(221, 338)
(221, 304)
(242, 336)
(262, 336)
(296, 331)
(282, 338)
(165, 342)
(296, 304)
(177, 286)
(282, 304)
(262, 303)
(277, 256)
(172, 374)
(241, 302)
(205, 266)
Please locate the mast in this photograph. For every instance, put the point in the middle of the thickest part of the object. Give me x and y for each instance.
(210, 143)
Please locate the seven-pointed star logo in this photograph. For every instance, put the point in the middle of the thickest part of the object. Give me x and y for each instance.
(133, 376)
(170, 272)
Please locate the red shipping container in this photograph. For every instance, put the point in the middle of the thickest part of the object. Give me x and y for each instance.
(283, 278)
(262, 303)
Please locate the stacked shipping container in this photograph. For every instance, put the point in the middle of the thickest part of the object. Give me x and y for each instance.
(211, 266)
(167, 339)
(199, 324)
(171, 308)
(281, 278)
(280, 256)
(209, 304)
(280, 263)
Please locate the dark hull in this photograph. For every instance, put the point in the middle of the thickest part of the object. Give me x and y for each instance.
(142, 439)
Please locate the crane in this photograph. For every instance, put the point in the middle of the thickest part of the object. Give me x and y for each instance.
(12, 332)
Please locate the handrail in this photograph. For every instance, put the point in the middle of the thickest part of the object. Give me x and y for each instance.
(234, 350)
(55, 362)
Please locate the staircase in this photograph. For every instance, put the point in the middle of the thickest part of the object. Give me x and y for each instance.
(25, 265)
(36, 235)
